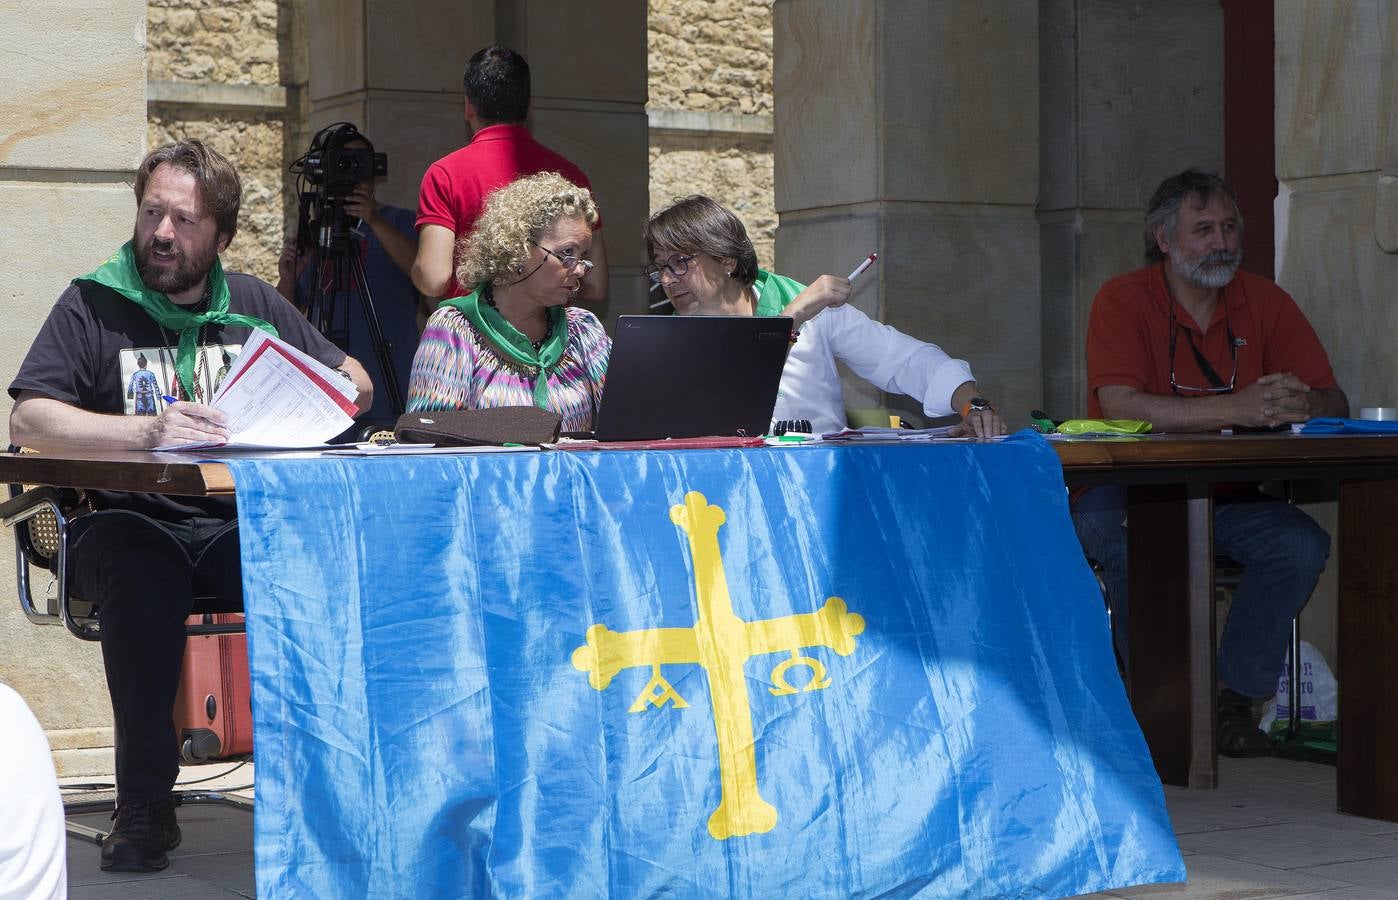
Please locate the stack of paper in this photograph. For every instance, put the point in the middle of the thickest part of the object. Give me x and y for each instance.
(875, 433)
(278, 397)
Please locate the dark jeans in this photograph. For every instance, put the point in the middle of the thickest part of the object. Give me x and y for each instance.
(1281, 549)
(145, 575)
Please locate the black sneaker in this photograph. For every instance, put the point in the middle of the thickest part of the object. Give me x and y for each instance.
(144, 831)
(1238, 734)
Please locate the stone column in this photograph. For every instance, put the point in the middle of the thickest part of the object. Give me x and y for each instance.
(910, 128)
(72, 129)
(1337, 158)
(394, 67)
(1337, 208)
(1117, 116)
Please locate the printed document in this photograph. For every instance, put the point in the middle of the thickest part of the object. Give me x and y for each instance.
(278, 397)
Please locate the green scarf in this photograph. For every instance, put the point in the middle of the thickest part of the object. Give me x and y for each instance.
(774, 292)
(511, 342)
(119, 273)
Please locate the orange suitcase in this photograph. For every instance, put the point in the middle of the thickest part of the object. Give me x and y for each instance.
(213, 708)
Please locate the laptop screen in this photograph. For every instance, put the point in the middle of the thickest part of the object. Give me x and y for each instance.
(692, 376)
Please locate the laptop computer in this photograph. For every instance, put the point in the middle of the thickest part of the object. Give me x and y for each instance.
(691, 376)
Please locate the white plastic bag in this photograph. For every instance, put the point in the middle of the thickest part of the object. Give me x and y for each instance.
(1316, 688)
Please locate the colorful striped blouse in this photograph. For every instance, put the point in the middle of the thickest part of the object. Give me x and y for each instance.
(457, 368)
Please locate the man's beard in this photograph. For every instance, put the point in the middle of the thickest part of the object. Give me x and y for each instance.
(187, 272)
(1210, 271)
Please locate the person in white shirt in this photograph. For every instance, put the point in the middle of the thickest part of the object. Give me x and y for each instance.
(701, 256)
(33, 846)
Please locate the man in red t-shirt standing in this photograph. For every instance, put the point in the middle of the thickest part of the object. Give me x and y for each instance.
(1190, 343)
(455, 188)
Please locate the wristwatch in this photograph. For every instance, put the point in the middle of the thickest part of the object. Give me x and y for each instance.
(975, 404)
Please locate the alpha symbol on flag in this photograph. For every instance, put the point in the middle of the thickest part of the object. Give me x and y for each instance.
(657, 693)
(721, 643)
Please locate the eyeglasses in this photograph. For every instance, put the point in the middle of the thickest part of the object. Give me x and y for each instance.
(1204, 366)
(569, 262)
(678, 265)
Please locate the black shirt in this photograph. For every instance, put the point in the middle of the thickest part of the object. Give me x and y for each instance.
(103, 353)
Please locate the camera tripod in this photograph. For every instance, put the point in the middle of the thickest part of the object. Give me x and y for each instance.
(337, 268)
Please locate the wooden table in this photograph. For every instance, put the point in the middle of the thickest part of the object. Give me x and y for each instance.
(1170, 554)
(118, 470)
(1170, 557)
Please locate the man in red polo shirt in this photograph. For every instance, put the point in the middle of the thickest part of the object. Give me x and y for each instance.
(1190, 343)
(455, 188)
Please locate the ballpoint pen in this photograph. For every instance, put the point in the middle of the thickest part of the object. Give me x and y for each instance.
(868, 261)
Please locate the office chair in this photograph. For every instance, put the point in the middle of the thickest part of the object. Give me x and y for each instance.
(40, 517)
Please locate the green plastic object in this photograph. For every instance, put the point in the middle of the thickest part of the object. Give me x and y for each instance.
(1103, 426)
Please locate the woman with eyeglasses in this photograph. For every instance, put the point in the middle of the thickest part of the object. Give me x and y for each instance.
(514, 340)
(701, 256)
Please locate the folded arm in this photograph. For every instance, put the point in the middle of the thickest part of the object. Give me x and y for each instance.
(1276, 399)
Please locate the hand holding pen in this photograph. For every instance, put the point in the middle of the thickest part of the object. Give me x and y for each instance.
(825, 291)
(184, 421)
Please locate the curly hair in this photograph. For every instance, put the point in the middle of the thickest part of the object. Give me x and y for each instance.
(514, 218)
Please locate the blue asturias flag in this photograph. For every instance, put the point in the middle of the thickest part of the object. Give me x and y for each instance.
(809, 672)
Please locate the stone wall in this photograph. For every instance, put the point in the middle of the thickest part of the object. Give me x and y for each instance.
(216, 71)
(222, 41)
(1113, 123)
(710, 105)
(736, 170)
(253, 141)
(894, 135)
(711, 55)
(710, 108)
(71, 127)
(1336, 131)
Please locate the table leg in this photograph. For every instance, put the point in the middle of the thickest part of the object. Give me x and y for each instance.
(1171, 622)
(1203, 684)
(1368, 649)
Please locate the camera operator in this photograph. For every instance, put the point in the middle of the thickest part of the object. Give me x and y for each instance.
(387, 247)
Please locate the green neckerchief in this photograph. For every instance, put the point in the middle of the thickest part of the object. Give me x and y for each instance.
(119, 273)
(510, 341)
(774, 292)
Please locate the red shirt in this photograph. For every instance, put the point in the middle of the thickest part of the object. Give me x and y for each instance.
(1128, 337)
(455, 188)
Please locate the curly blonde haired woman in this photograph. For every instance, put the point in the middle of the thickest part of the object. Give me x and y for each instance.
(513, 341)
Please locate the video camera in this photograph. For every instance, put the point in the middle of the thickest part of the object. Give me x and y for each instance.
(327, 174)
(336, 168)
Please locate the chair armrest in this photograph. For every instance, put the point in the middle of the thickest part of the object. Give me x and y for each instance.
(26, 504)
